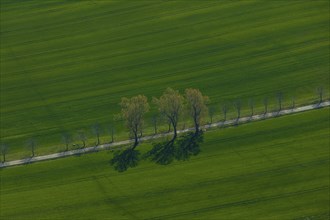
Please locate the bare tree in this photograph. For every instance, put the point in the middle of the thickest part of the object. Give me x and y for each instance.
(279, 97)
(320, 94)
(4, 151)
(224, 111)
(97, 130)
(251, 104)
(154, 120)
(293, 102)
(212, 110)
(67, 139)
(237, 105)
(31, 144)
(196, 106)
(266, 104)
(82, 137)
(112, 132)
(133, 110)
(170, 104)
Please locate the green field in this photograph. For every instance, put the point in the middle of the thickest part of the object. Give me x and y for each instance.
(66, 64)
(272, 169)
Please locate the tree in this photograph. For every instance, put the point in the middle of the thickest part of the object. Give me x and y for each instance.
(82, 137)
(154, 120)
(279, 97)
(251, 104)
(266, 104)
(169, 123)
(96, 129)
(293, 102)
(112, 132)
(196, 103)
(133, 111)
(320, 93)
(31, 144)
(212, 110)
(4, 151)
(224, 111)
(170, 104)
(67, 139)
(237, 105)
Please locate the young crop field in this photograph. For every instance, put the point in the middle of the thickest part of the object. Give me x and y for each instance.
(272, 169)
(65, 65)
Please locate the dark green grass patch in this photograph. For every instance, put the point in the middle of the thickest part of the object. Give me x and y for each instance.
(273, 169)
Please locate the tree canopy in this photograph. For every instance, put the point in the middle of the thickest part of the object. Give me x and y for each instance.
(132, 111)
(197, 108)
(170, 104)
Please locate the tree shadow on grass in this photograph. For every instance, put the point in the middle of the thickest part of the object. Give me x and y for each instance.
(180, 149)
(122, 160)
(162, 153)
(188, 145)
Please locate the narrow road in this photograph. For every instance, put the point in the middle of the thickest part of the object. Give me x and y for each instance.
(115, 144)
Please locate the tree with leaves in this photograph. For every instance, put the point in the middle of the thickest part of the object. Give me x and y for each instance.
(196, 104)
(154, 120)
(3, 151)
(133, 111)
(169, 123)
(170, 104)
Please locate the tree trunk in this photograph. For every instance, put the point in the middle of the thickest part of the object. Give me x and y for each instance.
(175, 133)
(136, 142)
(67, 147)
(112, 136)
(4, 157)
(155, 124)
(293, 104)
(155, 128)
(98, 139)
(169, 127)
(196, 126)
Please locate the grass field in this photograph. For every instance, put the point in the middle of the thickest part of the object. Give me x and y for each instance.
(272, 169)
(66, 64)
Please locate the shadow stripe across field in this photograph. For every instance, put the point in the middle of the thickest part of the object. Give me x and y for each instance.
(243, 203)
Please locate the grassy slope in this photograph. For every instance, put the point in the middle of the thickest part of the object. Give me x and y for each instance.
(273, 169)
(65, 65)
